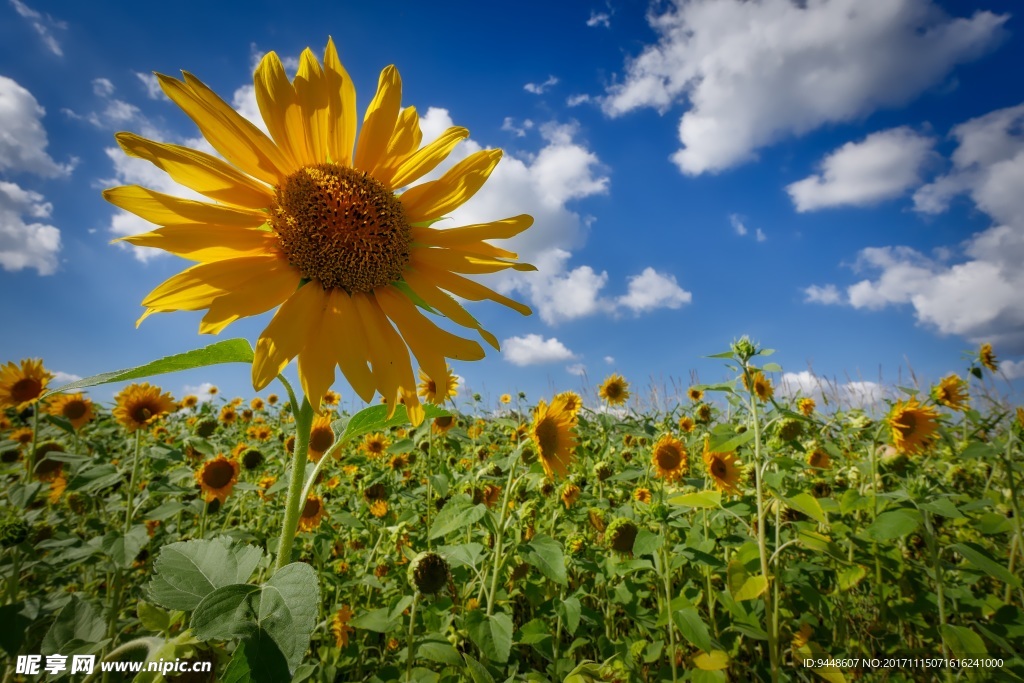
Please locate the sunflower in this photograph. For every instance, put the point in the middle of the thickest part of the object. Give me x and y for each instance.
(22, 386)
(321, 437)
(492, 494)
(519, 433)
(312, 513)
(265, 483)
(379, 508)
(375, 445)
(642, 495)
(686, 424)
(331, 398)
(570, 494)
(429, 390)
(57, 488)
(5, 423)
(614, 390)
(670, 459)
(725, 471)
(758, 384)
(695, 394)
(818, 458)
(272, 399)
(22, 436)
(505, 399)
(190, 401)
(256, 403)
(573, 401)
(552, 432)
(139, 405)
(74, 408)
(47, 468)
(442, 424)
(951, 392)
(311, 220)
(398, 463)
(912, 425)
(339, 626)
(228, 415)
(217, 478)
(703, 413)
(806, 406)
(986, 356)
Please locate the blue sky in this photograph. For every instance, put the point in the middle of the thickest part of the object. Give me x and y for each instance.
(841, 181)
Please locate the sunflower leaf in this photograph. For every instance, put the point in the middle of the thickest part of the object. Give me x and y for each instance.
(375, 419)
(226, 351)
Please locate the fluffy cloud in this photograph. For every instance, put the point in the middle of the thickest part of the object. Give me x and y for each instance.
(42, 24)
(578, 369)
(62, 378)
(741, 229)
(1013, 369)
(599, 19)
(755, 72)
(541, 88)
(651, 290)
(200, 391)
(533, 349)
(24, 242)
(152, 86)
(829, 294)
(882, 166)
(509, 124)
(857, 394)
(23, 141)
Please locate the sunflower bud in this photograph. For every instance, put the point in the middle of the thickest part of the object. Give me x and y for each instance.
(790, 429)
(621, 534)
(251, 459)
(429, 572)
(744, 349)
(602, 471)
(13, 532)
(206, 427)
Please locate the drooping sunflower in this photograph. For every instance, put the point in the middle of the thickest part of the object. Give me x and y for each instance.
(951, 392)
(695, 394)
(553, 433)
(686, 424)
(312, 513)
(759, 385)
(321, 437)
(614, 390)
(442, 424)
(139, 405)
(329, 228)
(339, 626)
(435, 392)
(987, 357)
(570, 494)
(912, 425)
(806, 406)
(670, 459)
(724, 469)
(217, 478)
(74, 408)
(817, 457)
(21, 385)
(375, 445)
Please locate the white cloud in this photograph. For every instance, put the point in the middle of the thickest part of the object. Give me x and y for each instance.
(541, 88)
(737, 224)
(1013, 369)
(577, 100)
(759, 234)
(509, 124)
(829, 294)
(102, 87)
(651, 290)
(42, 24)
(23, 140)
(200, 391)
(152, 86)
(599, 19)
(609, 360)
(882, 166)
(578, 369)
(755, 72)
(533, 349)
(859, 394)
(62, 378)
(26, 243)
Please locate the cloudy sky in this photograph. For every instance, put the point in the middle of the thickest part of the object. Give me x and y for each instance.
(843, 180)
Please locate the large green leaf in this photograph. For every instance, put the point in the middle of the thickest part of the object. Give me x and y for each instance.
(188, 571)
(700, 499)
(123, 548)
(808, 505)
(545, 553)
(457, 513)
(693, 628)
(78, 628)
(258, 660)
(893, 524)
(491, 633)
(981, 559)
(226, 351)
(375, 419)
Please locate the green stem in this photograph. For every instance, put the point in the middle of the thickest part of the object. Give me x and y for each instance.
(294, 502)
(936, 562)
(131, 482)
(429, 468)
(411, 643)
(666, 572)
(30, 458)
(498, 537)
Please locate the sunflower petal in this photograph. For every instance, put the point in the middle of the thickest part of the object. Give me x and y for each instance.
(468, 289)
(341, 106)
(390, 355)
(447, 306)
(271, 289)
(496, 230)
(284, 336)
(231, 134)
(311, 94)
(316, 359)
(343, 326)
(164, 209)
(379, 122)
(197, 287)
(436, 198)
(457, 262)
(404, 141)
(201, 172)
(426, 159)
(280, 109)
(207, 243)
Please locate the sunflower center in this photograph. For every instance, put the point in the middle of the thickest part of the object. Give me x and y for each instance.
(547, 436)
(142, 413)
(320, 440)
(311, 508)
(26, 389)
(74, 409)
(218, 474)
(341, 227)
(718, 469)
(613, 390)
(669, 458)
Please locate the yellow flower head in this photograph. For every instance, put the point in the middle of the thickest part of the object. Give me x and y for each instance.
(642, 495)
(806, 406)
(505, 399)
(670, 459)
(759, 385)
(614, 390)
(22, 385)
(339, 626)
(442, 424)
(951, 392)
(573, 401)
(686, 424)
(912, 425)
(256, 403)
(724, 469)
(190, 401)
(552, 432)
(331, 398)
(433, 393)
(349, 252)
(817, 457)
(375, 445)
(987, 357)
(217, 478)
(312, 513)
(139, 405)
(74, 408)
(570, 494)
(321, 437)
(272, 399)
(379, 508)
(695, 394)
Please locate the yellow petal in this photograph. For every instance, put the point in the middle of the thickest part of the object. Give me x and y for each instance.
(268, 291)
(425, 160)
(201, 172)
(345, 328)
(379, 122)
(231, 134)
(207, 243)
(316, 359)
(468, 289)
(164, 209)
(503, 229)
(311, 93)
(434, 199)
(280, 109)
(446, 305)
(197, 287)
(284, 336)
(404, 141)
(457, 262)
(390, 357)
(341, 106)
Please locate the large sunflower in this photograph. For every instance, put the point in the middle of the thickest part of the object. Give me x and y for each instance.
(552, 432)
(74, 408)
(139, 405)
(724, 469)
(217, 478)
(913, 426)
(614, 390)
(328, 228)
(22, 385)
(670, 459)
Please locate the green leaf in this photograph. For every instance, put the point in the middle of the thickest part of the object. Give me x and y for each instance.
(258, 660)
(123, 548)
(701, 499)
(12, 635)
(188, 571)
(742, 584)
(477, 671)
(850, 577)
(93, 479)
(771, 367)
(492, 634)
(693, 628)
(457, 513)
(718, 444)
(980, 558)
(375, 419)
(152, 617)
(226, 351)
(545, 554)
(77, 625)
(942, 506)
(437, 650)
(808, 505)
(376, 620)
(647, 543)
(963, 641)
(893, 524)
(225, 613)
(571, 609)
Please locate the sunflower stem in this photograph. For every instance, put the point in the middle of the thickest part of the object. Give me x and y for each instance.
(411, 644)
(498, 537)
(131, 482)
(30, 459)
(294, 502)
